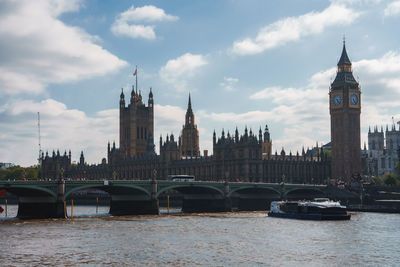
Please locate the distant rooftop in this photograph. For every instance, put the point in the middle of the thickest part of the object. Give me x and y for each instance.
(5, 165)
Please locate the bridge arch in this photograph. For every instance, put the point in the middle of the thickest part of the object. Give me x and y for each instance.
(305, 193)
(31, 190)
(108, 188)
(193, 186)
(253, 197)
(253, 188)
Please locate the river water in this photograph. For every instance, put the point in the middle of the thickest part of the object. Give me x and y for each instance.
(214, 239)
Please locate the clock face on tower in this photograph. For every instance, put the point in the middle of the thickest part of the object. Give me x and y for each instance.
(337, 100)
(354, 99)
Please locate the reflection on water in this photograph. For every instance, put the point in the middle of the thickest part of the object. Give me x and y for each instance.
(216, 239)
(79, 211)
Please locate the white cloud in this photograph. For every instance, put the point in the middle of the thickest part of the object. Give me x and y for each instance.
(392, 9)
(177, 71)
(387, 65)
(41, 49)
(356, 2)
(147, 14)
(380, 78)
(296, 116)
(307, 110)
(14, 82)
(293, 28)
(379, 81)
(63, 128)
(167, 120)
(229, 84)
(123, 26)
(58, 7)
(133, 31)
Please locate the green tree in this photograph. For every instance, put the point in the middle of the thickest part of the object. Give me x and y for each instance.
(15, 172)
(377, 180)
(389, 179)
(3, 174)
(327, 153)
(18, 173)
(32, 173)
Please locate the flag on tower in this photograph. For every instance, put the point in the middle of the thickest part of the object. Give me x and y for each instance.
(134, 74)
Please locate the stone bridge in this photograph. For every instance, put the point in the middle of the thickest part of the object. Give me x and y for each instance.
(46, 199)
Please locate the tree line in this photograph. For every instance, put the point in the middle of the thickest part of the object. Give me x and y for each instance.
(20, 173)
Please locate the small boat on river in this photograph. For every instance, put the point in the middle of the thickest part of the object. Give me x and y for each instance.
(317, 209)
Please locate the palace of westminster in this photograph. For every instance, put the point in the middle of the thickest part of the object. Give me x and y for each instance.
(235, 157)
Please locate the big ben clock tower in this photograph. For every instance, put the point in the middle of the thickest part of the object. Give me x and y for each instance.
(345, 110)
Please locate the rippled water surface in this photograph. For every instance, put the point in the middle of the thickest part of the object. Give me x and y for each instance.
(218, 239)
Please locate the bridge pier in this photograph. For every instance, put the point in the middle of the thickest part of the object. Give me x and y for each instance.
(36, 209)
(254, 204)
(43, 207)
(199, 205)
(133, 207)
(121, 205)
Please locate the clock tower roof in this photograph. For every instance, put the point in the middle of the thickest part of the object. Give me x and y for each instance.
(344, 58)
(344, 73)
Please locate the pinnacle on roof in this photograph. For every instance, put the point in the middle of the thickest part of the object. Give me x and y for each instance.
(344, 58)
(133, 92)
(189, 103)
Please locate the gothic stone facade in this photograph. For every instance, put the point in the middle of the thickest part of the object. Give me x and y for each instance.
(232, 161)
(383, 151)
(136, 124)
(235, 158)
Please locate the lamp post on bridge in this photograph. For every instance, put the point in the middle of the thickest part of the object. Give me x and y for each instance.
(154, 174)
(228, 202)
(154, 187)
(227, 176)
(282, 186)
(60, 211)
(361, 192)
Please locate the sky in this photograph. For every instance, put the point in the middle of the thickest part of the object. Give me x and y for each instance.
(245, 63)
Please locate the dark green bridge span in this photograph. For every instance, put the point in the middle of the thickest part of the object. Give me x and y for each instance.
(45, 199)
